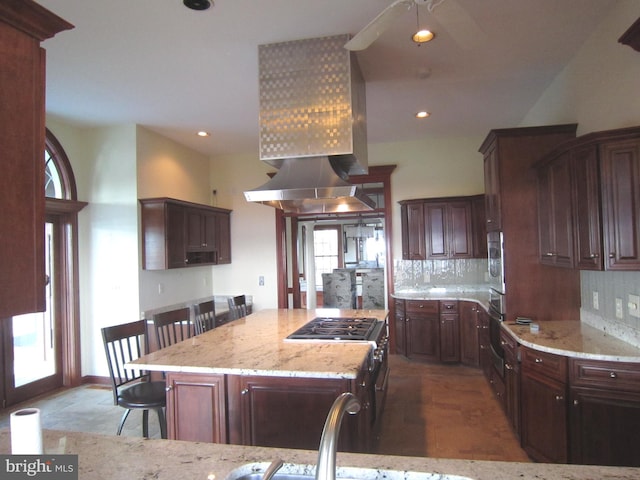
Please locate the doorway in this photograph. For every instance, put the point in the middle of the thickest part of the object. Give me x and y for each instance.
(41, 351)
(294, 269)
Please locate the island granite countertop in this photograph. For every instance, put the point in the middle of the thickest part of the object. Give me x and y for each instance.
(257, 345)
(115, 458)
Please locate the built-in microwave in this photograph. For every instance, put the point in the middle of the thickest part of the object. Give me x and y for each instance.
(495, 250)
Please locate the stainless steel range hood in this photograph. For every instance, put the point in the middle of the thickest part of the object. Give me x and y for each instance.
(312, 126)
(311, 185)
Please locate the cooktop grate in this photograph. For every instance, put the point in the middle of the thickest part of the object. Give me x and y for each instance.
(336, 328)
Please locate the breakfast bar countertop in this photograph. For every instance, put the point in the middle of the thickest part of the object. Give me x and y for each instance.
(115, 458)
(257, 345)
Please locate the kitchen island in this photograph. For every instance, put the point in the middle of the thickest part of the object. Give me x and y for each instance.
(245, 383)
(115, 458)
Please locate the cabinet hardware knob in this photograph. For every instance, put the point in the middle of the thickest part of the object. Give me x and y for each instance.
(363, 384)
(559, 398)
(168, 389)
(613, 375)
(508, 366)
(594, 255)
(575, 402)
(612, 255)
(538, 360)
(244, 391)
(503, 343)
(478, 327)
(482, 347)
(549, 254)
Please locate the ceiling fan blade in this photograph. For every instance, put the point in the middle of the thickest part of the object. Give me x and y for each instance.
(378, 25)
(461, 26)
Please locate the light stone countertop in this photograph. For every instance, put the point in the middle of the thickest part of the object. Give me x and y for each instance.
(125, 458)
(574, 339)
(478, 294)
(256, 345)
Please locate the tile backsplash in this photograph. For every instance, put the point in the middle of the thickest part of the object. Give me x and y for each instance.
(430, 273)
(611, 288)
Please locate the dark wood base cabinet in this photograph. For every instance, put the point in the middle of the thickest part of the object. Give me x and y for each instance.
(284, 412)
(544, 406)
(604, 412)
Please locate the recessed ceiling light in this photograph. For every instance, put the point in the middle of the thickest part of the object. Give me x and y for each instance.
(422, 114)
(423, 36)
(202, 133)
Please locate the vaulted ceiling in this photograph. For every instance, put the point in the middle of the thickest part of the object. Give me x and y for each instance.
(175, 70)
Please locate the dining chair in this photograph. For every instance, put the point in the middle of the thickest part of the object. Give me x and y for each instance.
(373, 290)
(133, 389)
(237, 307)
(173, 326)
(204, 316)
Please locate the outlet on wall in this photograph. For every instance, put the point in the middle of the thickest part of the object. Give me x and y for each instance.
(619, 312)
(634, 305)
(595, 300)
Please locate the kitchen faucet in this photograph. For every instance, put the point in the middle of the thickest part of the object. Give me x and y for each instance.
(326, 468)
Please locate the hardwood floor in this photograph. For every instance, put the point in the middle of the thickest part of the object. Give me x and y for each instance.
(444, 411)
(431, 410)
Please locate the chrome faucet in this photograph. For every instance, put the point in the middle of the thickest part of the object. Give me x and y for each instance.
(326, 468)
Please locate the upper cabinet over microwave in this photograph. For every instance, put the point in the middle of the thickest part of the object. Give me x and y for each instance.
(180, 234)
(589, 202)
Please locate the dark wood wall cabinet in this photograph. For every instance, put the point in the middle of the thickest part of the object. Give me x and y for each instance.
(23, 26)
(443, 228)
(589, 202)
(179, 234)
(511, 207)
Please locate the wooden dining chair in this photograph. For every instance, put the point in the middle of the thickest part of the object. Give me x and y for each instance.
(133, 389)
(173, 326)
(237, 307)
(204, 315)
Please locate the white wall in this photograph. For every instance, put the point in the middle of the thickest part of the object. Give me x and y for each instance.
(168, 169)
(104, 164)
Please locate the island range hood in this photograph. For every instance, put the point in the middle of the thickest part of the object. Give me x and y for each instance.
(312, 126)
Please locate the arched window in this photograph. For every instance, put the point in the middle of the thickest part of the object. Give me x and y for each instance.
(58, 174)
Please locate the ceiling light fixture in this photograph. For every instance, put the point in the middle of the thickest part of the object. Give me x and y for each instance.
(197, 4)
(202, 133)
(422, 35)
(423, 114)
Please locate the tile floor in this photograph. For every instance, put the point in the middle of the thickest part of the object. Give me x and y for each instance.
(431, 410)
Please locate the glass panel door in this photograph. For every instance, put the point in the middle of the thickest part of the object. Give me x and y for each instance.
(34, 346)
(32, 356)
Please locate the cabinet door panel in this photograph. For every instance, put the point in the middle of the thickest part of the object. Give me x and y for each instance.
(605, 427)
(586, 176)
(544, 419)
(413, 232)
(620, 163)
(449, 338)
(289, 413)
(196, 408)
(435, 222)
(460, 230)
(423, 339)
(492, 190)
(469, 330)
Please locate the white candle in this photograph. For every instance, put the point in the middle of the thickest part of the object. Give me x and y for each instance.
(26, 432)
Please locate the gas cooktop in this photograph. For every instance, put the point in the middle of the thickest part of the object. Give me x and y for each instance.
(338, 328)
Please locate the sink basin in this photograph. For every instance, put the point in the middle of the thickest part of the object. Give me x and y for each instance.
(290, 471)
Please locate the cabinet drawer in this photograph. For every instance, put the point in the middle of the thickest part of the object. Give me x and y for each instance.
(610, 375)
(448, 306)
(509, 344)
(418, 307)
(543, 363)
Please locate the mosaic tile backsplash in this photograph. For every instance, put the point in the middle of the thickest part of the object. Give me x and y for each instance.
(438, 273)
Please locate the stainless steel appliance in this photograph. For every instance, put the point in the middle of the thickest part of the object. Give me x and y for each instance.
(495, 249)
(356, 329)
(497, 299)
